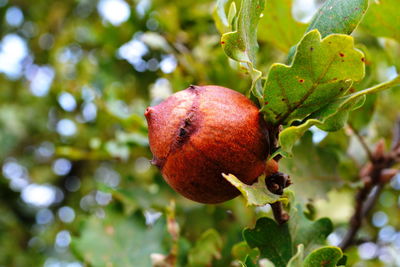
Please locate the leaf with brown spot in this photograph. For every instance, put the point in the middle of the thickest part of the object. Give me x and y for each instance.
(317, 77)
(241, 43)
(336, 16)
(323, 257)
(332, 116)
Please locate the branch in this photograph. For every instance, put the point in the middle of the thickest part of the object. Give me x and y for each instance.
(356, 219)
(372, 198)
(375, 174)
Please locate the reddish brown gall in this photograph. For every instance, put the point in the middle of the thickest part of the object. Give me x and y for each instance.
(199, 133)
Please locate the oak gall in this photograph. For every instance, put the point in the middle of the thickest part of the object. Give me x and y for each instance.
(203, 131)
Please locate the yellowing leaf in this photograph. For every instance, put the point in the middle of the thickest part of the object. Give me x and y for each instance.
(256, 194)
(220, 18)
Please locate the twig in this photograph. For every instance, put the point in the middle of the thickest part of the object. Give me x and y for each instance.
(277, 181)
(280, 215)
(375, 175)
(372, 198)
(274, 140)
(396, 135)
(362, 141)
(356, 219)
(275, 184)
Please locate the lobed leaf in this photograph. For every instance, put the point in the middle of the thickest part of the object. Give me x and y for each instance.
(311, 234)
(241, 44)
(278, 243)
(314, 169)
(256, 194)
(336, 16)
(322, 71)
(297, 259)
(273, 241)
(332, 116)
(241, 251)
(220, 18)
(248, 262)
(326, 256)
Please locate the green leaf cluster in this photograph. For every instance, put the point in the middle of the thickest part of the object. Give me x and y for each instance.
(300, 242)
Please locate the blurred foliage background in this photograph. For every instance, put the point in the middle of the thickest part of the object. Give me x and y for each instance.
(76, 185)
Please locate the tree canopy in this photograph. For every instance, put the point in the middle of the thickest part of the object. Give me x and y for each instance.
(76, 184)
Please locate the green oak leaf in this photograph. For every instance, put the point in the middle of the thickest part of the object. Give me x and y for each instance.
(256, 194)
(278, 27)
(382, 19)
(332, 116)
(241, 250)
(119, 240)
(360, 117)
(297, 259)
(343, 261)
(312, 234)
(241, 44)
(278, 243)
(322, 71)
(325, 256)
(336, 16)
(273, 241)
(207, 248)
(315, 170)
(220, 18)
(232, 18)
(248, 262)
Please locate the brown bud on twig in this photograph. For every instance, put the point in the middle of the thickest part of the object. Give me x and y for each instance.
(379, 151)
(366, 170)
(387, 175)
(277, 182)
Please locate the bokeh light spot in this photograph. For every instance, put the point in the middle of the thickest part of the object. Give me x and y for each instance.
(14, 16)
(114, 11)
